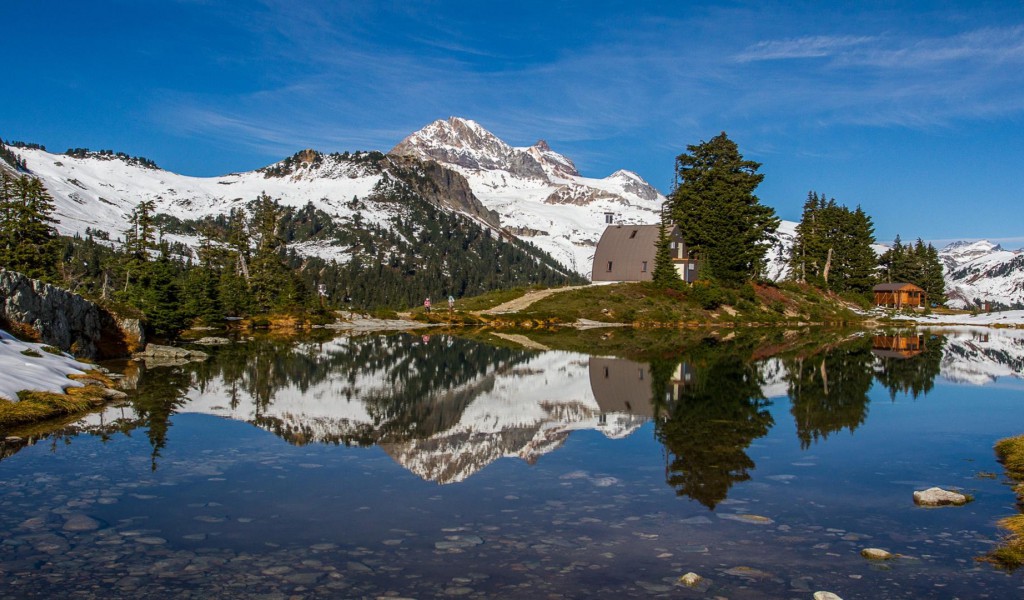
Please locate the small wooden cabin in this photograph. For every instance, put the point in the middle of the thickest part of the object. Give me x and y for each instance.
(900, 295)
(626, 253)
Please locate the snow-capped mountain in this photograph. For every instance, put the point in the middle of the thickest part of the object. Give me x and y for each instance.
(537, 192)
(982, 272)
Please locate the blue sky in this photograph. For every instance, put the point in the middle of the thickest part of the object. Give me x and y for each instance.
(915, 112)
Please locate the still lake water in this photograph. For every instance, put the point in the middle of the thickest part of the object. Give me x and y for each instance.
(411, 466)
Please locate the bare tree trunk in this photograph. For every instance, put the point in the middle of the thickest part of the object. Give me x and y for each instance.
(243, 267)
(828, 266)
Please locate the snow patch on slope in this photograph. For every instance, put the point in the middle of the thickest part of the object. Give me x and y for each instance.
(26, 366)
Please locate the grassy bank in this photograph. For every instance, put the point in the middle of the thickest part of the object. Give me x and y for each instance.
(33, 407)
(1010, 553)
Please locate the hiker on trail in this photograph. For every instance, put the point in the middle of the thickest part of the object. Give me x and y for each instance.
(426, 304)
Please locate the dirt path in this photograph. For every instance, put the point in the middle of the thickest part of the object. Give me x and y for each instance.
(523, 302)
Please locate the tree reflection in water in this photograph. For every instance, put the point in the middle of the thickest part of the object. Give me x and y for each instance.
(707, 423)
(710, 404)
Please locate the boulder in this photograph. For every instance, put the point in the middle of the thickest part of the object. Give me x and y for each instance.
(939, 497)
(826, 596)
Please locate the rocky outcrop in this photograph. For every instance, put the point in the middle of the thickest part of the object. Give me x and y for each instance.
(446, 187)
(60, 318)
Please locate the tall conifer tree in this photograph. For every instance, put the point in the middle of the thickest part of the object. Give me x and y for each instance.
(717, 212)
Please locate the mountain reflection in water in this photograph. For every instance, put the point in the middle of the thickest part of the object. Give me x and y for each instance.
(445, 407)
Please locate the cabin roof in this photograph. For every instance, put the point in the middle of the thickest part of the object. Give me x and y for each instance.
(620, 239)
(896, 287)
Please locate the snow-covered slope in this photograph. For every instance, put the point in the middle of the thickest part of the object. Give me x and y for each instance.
(28, 366)
(982, 272)
(99, 193)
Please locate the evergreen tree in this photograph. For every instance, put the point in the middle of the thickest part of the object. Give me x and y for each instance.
(28, 239)
(665, 274)
(717, 212)
(862, 260)
(270, 283)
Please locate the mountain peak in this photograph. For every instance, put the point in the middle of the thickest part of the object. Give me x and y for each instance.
(465, 143)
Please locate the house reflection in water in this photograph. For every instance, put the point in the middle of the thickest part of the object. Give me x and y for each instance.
(898, 346)
(621, 387)
(624, 387)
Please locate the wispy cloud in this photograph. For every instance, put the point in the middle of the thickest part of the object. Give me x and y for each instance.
(805, 47)
(340, 78)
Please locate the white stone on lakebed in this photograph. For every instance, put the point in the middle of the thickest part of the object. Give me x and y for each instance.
(939, 497)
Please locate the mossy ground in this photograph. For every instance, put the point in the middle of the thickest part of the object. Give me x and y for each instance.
(40, 406)
(1010, 553)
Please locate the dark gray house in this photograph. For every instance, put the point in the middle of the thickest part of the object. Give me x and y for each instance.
(626, 253)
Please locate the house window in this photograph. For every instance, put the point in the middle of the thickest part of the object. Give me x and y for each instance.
(643, 267)
(633, 234)
(608, 217)
(609, 266)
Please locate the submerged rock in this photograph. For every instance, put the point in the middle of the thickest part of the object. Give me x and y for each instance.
(691, 579)
(876, 554)
(79, 522)
(939, 497)
(826, 596)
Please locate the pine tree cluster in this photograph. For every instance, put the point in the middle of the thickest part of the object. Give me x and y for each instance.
(832, 249)
(139, 161)
(9, 157)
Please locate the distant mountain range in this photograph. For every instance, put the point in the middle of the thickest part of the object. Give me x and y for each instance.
(533, 194)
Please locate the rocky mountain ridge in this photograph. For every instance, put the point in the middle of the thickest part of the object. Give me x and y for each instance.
(982, 273)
